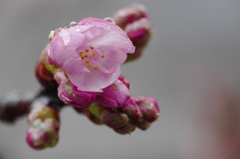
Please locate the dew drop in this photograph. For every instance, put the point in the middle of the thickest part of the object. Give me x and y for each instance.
(109, 19)
(73, 24)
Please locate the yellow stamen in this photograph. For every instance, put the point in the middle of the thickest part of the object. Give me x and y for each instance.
(80, 53)
(86, 50)
(95, 68)
(94, 55)
(91, 47)
(86, 56)
(82, 58)
(89, 65)
(103, 56)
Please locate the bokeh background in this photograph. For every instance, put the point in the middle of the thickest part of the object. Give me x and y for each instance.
(191, 66)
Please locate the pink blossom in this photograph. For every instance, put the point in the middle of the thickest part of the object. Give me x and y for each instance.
(90, 52)
(69, 93)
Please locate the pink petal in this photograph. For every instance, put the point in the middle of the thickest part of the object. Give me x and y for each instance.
(94, 82)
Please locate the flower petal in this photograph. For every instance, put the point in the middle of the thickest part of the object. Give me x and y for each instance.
(94, 81)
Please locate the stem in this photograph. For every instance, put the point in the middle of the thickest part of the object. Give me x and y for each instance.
(17, 104)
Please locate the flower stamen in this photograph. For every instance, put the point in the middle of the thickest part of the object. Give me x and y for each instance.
(89, 64)
(95, 68)
(102, 56)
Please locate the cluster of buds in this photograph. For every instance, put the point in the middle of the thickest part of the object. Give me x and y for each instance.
(134, 20)
(137, 112)
(114, 106)
(80, 67)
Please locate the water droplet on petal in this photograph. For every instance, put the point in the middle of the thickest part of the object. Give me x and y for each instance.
(73, 24)
(109, 19)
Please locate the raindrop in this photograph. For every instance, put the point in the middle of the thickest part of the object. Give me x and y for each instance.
(109, 19)
(73, 24)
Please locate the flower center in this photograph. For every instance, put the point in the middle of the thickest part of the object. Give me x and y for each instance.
(91, 54)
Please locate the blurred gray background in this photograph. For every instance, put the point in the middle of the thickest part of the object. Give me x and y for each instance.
(196, 45)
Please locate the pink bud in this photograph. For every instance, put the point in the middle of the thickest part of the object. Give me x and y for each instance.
(139, 32)
(43, 127)
(69, 93)
(44, 76)
(149, 108)
(129, 14)
(114, 96)
(132, 110)
(123, 80)
(38, 138)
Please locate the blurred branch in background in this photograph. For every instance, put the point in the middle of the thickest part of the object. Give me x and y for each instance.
(214, 132)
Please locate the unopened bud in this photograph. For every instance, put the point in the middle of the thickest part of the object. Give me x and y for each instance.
(39, 138)
(69, 93)
(43, 74)
(132, 110)
(149, 108)
(127, 129)
(129, 14)
(43, 127)
(94, 113)
(124, 81)
(143, 125)
(114, 96)
(139, 32)
(114, 119)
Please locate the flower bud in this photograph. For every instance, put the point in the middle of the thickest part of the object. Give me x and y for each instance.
(129, 14)
(114, 96)
(38, 138)
(127, 129)
(114, 119)
(43, 127)
(139, 32)
(43, 74)
(143, 125)
(94, 113)
(123, 80)
(69, 93)
(149, 108)
(132, 110)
